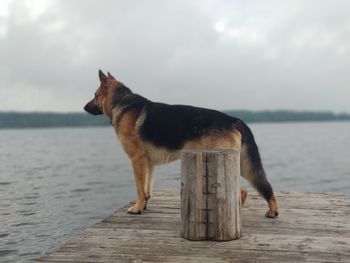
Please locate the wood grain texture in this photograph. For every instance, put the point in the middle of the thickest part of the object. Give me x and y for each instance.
(312, 227)
(210, 195)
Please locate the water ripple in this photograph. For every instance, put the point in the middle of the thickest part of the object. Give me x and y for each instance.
(25, 224)
(5, 183)
(7, 252)
(80, 190)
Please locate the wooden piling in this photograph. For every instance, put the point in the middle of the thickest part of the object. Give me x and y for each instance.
(210, 195)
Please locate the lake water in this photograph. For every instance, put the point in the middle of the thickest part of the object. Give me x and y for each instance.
(55, 182)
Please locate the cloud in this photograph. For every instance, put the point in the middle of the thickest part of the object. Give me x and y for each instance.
(217, 54)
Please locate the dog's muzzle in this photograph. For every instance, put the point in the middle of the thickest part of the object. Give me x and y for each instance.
(92, 110)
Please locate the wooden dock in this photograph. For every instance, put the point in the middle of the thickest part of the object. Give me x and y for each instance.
(311, 227)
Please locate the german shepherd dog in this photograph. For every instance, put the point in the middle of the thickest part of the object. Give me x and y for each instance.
(153, 133)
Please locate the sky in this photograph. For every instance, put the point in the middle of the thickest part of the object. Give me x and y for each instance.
(251, 55)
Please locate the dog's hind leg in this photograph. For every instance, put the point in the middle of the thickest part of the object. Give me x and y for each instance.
(252, 170)
(244, 195)
(148, 183)
(140, 167)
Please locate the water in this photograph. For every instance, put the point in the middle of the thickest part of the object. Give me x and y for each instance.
(55, 182)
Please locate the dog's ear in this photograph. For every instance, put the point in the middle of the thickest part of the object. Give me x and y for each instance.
(103, 77)
(110, 76)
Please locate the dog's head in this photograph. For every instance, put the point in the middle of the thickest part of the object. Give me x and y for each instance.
(97, 105)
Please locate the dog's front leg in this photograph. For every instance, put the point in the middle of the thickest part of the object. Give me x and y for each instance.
(148, 183)
(140, 166)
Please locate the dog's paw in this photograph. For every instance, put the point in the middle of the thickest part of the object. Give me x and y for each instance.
(271, 214)
(132, 210)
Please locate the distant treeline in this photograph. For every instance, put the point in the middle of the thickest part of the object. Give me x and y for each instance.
(287, 116)
(42, 119)
(46, 120)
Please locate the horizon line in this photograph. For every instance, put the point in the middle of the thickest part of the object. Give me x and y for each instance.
(225, 110)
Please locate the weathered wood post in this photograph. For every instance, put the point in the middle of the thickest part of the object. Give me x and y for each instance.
(210, 195)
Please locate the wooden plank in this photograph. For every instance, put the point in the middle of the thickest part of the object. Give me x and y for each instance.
(291, 203)
(248, 229)
(251, 213)
(267, 242)
(287, 223)
(174, 192)
(290, 219)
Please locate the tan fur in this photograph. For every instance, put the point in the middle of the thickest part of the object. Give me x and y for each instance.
(107, 108)
(116, 112)
(218, 140)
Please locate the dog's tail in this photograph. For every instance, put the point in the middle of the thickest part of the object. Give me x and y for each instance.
(252, 168)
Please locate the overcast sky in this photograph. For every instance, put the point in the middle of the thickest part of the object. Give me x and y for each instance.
(252, 55)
